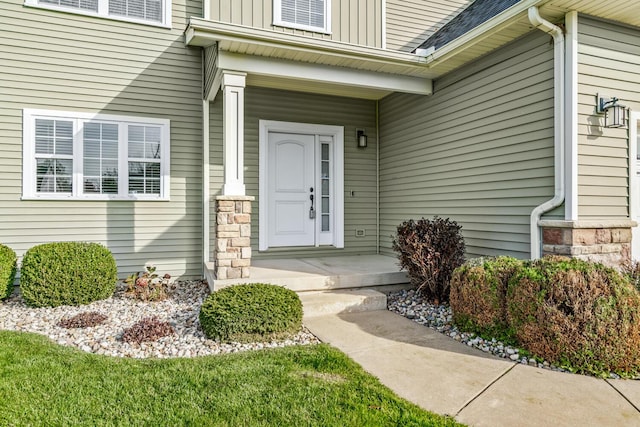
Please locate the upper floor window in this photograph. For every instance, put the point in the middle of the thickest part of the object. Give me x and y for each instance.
(83, 156)
(311, 15)
(154, 12)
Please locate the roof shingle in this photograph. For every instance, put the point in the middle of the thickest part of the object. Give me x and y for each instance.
(475, 14)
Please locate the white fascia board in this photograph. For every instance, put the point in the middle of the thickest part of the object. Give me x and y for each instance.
(202, 32)
(260, 65)
(483, 31)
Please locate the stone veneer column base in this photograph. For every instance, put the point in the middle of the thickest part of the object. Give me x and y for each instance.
(233, 237)
(606, 241)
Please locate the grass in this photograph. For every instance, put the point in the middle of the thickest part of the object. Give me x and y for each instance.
(42, 383)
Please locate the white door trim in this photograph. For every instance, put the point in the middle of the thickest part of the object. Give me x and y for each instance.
(634, 185)
(337, 132)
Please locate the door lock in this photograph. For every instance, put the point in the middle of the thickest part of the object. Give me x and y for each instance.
(312, 211)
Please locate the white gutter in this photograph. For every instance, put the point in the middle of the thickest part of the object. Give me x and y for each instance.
(502, 20)
(559, 130)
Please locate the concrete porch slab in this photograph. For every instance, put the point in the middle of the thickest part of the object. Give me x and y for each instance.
(320, 274)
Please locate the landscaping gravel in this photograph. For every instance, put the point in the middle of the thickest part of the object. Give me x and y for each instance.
(181, 310)
(439, 317)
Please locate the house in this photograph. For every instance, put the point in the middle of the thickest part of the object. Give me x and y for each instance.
(187, 133)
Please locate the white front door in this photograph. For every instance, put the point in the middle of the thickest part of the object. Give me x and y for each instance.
(301, 185)
(291, 189)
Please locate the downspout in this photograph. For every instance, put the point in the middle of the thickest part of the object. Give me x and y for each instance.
(206, 193)
(377, 176)
(559, 131)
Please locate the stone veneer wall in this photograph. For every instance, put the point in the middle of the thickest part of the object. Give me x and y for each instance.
(233, 237)
(605, 242)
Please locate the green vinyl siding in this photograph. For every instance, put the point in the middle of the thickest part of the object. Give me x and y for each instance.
(478, 151)
(608, 64)
(53, 60)
(359, 164)
(352, 21)
(411, 22)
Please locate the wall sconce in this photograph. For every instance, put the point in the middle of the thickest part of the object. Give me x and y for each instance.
(362, 138)
(615, 115)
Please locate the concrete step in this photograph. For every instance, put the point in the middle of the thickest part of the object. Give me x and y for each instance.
(318, 303)
(319, 274)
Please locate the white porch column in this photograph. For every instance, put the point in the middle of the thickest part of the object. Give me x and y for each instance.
(233, 84)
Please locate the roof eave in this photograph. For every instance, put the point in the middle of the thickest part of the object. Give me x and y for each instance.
(202, 32)
(483, 31)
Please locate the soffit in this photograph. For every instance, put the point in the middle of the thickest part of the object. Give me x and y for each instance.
(623, 11)
(274, 44)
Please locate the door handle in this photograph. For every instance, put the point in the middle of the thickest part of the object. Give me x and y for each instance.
(312, 211)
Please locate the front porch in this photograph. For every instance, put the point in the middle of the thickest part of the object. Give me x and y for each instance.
(319, 274)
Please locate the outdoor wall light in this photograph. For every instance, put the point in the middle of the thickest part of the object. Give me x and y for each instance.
(615, 115)
(362, 138)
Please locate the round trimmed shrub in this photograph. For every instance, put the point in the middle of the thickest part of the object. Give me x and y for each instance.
(8, 264)
(67, 273)
(255, 311)
(478, 296)
(576, 314)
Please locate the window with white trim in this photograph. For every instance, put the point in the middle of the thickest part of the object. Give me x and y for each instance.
(154, 12)
(103, 157)
(311, 15)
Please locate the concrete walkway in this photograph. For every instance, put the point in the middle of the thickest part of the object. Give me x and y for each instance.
(450, 378)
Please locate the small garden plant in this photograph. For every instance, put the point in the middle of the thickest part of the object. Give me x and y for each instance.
(148, 286)
(430, 250)
(581, 316)
(146, 330)
(67, 273)
(87, 319)
(251, 312)
(8, 264)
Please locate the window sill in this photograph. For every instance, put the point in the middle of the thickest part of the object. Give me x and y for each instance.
(289, 25)
(34, 4)
(49, 197)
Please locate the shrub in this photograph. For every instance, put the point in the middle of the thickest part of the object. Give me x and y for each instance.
(255, 311)
(67, 273)
(479, 296)
(8, 263)
(146, 330)
(147, 286)
(577, 314)
(87, 319)
(430, 250)
(631, 271)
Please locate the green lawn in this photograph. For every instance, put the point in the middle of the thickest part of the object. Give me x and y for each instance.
(42, 383)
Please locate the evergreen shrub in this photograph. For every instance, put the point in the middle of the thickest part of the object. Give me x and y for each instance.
(67, 273)
(479, 295)
(573, 313)
(8, 265)
(250, 312)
